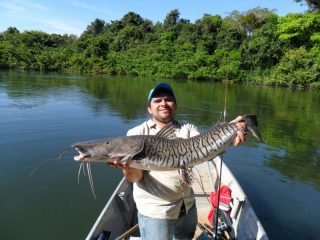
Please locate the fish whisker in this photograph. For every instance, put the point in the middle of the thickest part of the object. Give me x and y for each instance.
(81, 166)
(84, 172)
(91, 180)
(61, 153)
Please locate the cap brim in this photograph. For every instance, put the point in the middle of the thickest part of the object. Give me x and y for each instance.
(159, 86)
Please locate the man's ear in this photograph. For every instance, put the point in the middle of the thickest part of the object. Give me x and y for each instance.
(149, 110)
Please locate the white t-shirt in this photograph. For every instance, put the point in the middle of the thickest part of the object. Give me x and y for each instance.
(160, 194)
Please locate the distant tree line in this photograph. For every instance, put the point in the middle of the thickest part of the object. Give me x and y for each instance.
(256, 46)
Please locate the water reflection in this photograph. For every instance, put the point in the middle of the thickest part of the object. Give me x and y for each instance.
(289, 119)
(56, 110)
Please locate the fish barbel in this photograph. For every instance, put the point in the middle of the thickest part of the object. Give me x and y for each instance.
(165, 152)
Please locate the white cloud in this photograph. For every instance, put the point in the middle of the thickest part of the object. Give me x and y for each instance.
(61, 27)
(90, 7)
(37, 6)
(35, 16)
(22, 6)
(12, 6)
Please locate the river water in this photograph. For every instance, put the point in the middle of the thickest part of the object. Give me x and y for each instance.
(42, 114)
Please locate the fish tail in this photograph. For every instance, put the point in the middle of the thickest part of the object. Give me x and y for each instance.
(252, 126)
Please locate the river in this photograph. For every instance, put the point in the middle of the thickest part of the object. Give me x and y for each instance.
(42, 114)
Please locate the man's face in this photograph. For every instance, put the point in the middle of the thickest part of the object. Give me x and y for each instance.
(162, 107)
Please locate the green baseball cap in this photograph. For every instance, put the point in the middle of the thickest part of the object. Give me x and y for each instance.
(161, 85)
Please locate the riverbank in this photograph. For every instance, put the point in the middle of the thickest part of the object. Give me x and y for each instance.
(256, 46)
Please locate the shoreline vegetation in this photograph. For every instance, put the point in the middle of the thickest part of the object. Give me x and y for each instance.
(257, 47)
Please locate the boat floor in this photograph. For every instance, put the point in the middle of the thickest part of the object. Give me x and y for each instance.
(202, 187)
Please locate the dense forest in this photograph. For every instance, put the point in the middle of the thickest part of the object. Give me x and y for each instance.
(255, 46)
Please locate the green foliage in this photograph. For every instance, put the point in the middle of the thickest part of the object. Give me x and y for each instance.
(229, 36)
(172, 18)
(207, 29)
(127, 37)
(96, 27)
(296, 29)
(263, 50)
(298, 68)
(256, 45)
(7, 53)
(253, 19)
(132, 18)
(228, 64)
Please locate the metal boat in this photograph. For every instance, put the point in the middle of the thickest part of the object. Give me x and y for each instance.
(118, 219)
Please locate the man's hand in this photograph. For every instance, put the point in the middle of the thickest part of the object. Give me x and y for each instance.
(132, 174)
(241, 125)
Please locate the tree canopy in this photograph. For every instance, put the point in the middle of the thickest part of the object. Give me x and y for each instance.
(256, 46)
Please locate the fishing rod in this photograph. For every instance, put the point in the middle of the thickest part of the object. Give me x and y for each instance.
(216, 220)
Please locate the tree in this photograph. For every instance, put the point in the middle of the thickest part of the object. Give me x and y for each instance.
(297, 29)
(227, 63)
(188, 34)
(126, 38)
(298, 68)
(172, 18)
(256, 44)
(7, 52)
(132, 18)
(207, 29)
(312, 4)
(11, 30)
(263, 50)
(252, 19)
(96, 27)
(229, 37)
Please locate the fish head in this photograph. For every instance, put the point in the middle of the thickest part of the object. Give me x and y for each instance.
(95, 151)
(106, 151)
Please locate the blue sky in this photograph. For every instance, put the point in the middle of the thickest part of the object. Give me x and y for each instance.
(73, 16)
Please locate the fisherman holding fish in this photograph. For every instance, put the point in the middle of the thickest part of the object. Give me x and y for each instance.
(166, 205)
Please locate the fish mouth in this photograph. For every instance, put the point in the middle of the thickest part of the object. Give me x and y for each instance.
(82, 156)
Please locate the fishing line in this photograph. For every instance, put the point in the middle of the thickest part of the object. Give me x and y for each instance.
(225, 103)
(60, 155)
(217, 210)
(223, 114)
(37, 168)
(221, 159)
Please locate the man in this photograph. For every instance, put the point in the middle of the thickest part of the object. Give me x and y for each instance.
(166, 205)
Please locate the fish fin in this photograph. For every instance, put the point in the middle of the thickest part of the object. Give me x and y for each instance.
(140, 154)
(186, 175)
(169, 131)
(129, 152)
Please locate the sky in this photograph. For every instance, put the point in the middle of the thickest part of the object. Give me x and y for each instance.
(73, 16)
